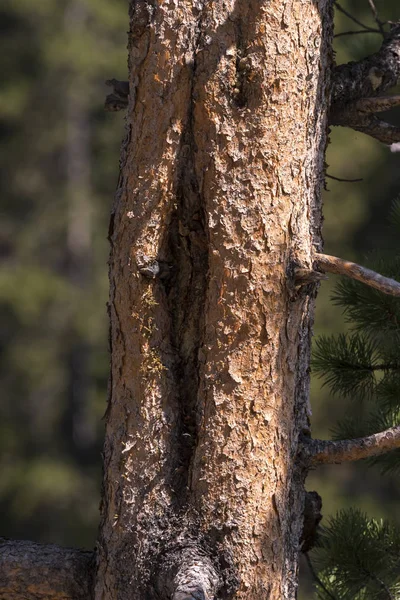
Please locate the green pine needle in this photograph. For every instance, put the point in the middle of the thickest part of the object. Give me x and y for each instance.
(346, 363)
(358, 557)
(368, 309)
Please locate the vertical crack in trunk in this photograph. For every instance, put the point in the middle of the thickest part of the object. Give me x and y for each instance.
(186, 291)
(187, 570)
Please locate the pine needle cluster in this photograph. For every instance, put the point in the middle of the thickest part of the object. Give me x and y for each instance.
(359, 558)
(364, 364)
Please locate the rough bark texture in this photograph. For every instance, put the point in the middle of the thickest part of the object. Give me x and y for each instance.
(32, 571)
(218, 200)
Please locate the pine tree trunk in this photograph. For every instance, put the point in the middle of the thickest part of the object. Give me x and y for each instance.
(218, 200)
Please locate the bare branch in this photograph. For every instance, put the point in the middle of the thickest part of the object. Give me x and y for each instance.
(357, 84)
(342, 179)
(332, 264)
(369, 77)
(29, 571)
(376, 17)
(317, 579)
(352, 18)
(328, 452)
(377, 104)
(384, 132)
(356, 32)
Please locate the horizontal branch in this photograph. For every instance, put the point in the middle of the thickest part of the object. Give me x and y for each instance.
(370, 76)
(335, 452)
(361, 117)
(356, 32)
(378, 103)
(371, 125)
(356, 84)
(29, 571)
(342, 179)
(332, 264)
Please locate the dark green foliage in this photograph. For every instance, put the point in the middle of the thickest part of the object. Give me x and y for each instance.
(347, 363)
(365, 368)
(367, 309)
(363, 365)
(358, 558)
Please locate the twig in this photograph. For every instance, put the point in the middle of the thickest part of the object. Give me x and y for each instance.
(332, 264)
(378, 104)
(317, 579)
(382, 585)
(335, 452)
(356, 32)
(371, 125)
(350, 16)
(341, 179)
(376, 17)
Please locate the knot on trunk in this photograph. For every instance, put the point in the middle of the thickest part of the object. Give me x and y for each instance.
(188, 574)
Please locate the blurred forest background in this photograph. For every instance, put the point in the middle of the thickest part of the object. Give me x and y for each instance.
(58, 170)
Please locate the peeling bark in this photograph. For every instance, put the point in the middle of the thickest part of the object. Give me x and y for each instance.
(30, 571)
(219, 196)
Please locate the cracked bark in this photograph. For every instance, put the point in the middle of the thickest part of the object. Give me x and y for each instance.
(31, 571)
(218, 203)
(217, 206)
(218, 197)
(219, 190)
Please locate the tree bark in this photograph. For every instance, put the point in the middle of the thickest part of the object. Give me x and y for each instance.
(218, 201)
(31, 571)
